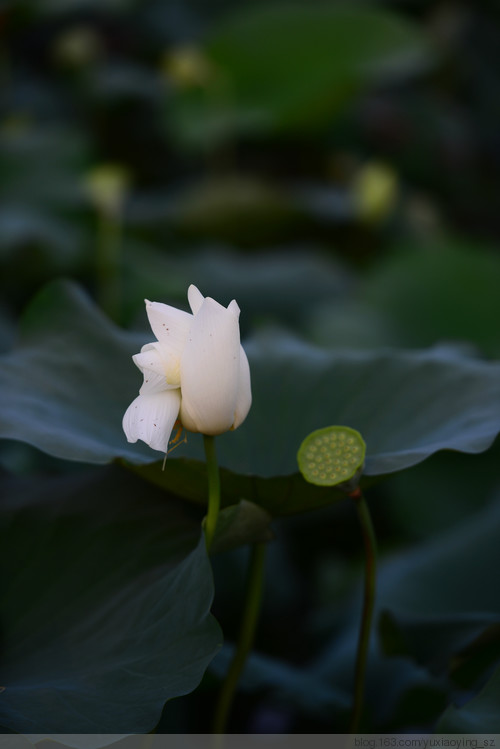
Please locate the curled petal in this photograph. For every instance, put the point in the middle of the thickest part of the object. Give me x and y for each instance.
(150, 418)
(244, 394)
(210, 370)
(170, 325)
(160, 366)
(195, 298)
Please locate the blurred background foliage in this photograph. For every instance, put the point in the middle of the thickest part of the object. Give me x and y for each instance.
(334, 167)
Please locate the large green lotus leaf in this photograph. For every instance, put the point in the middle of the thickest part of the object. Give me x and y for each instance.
(406, 405)
(30, 173)
(281, 495)
(454, 573)
(453, 286)
(447, 582)
(291, 65)
(440, 596)
(294, 685)
(66, 387)
(443, 590)
(269, 286)
(433, 641)
(240, 524)
(440, 492)
(322, 697)
(35, 247)
(105, 603)
(61, 381)
(480, 715)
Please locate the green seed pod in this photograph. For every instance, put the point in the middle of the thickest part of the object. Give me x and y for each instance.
(333, 456)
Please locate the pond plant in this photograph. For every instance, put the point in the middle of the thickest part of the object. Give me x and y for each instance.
(128, 613)
(287, 520)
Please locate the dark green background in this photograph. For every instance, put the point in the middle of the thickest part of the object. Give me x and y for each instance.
(246, 183)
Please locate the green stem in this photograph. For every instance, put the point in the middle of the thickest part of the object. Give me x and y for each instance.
(253, 597)
(220, 156)
(213, 490)
(369, 541)
(108, 264)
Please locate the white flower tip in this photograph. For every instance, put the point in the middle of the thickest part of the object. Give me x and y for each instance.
(195, 298)
(233, 307)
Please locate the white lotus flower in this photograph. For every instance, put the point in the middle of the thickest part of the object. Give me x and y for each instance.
(195, 371)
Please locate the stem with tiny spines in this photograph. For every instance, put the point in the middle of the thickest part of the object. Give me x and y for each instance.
(213, 490)
(251, 610)
(369, 541)
(108, 264)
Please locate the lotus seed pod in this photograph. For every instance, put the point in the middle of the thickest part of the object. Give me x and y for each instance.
(333, 456)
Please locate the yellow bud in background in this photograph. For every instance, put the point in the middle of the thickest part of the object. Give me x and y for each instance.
(375, 190)
(107, 187)
(77, 47)
(187, 66)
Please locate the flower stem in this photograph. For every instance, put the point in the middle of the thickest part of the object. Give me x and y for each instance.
(369, 541)
(253, 598)
(213, 489)
(108, 264)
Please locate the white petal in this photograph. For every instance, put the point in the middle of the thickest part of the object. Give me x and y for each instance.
(210, 370)
(170, 325)
(233, 307)
(160, 366)
(244, 396)
(195, 298)
(150, 418)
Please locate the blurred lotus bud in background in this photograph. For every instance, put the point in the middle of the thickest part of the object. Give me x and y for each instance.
(187, 66)
(77, 47)
(107, 187)
(375, 191)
